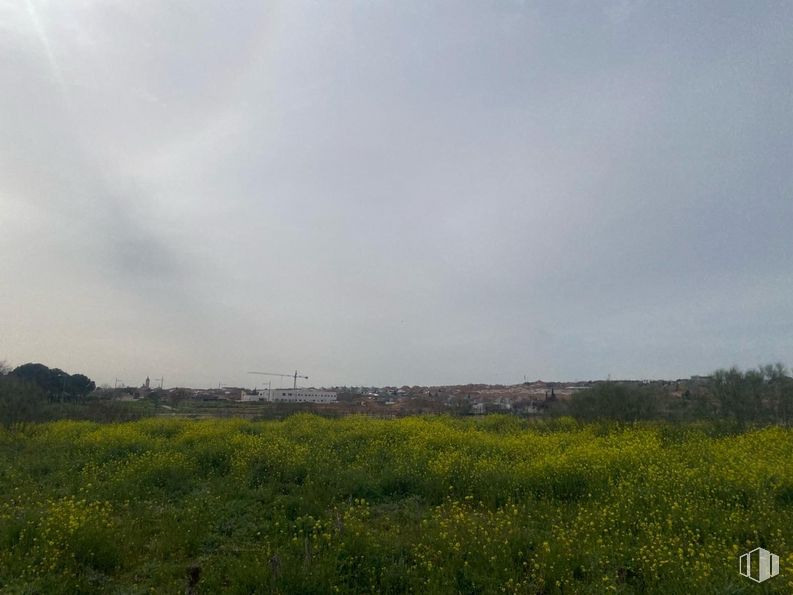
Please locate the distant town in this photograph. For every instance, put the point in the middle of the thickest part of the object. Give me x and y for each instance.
(527, 398)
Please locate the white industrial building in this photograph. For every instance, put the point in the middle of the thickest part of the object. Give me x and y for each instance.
(293, 395)
(302, 395)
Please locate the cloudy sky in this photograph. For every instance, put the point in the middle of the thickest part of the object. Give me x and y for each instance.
(395, 192)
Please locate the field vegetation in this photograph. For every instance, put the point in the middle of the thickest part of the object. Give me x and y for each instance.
(418, 504)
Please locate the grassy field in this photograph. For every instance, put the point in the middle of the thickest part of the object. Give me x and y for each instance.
(359, 505)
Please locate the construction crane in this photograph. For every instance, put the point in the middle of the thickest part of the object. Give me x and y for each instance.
(295, 376)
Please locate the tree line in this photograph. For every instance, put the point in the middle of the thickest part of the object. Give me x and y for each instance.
(760, 395)
(34, 392)
(54, 383)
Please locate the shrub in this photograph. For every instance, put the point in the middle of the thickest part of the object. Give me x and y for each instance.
(20, 401)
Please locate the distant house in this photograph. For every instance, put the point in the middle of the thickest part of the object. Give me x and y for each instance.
(529, 407)
(250, 395)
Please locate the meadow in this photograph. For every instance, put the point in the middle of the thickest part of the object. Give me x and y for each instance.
(419, 504)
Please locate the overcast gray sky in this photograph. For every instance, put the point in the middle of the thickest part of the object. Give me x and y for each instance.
(395, 192)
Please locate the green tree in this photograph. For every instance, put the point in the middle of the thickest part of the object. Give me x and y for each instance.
(79, 386)
(49, 380)
(56, 384)
(611, 400)
(779, 391)
(764, 394)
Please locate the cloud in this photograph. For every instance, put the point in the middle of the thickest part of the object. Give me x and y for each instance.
(396, 193)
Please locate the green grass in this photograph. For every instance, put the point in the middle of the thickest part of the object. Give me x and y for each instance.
(421, 504)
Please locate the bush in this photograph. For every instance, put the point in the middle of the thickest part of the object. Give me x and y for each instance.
(20, 402)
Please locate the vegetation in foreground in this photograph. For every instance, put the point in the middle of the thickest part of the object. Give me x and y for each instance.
(358, 505)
